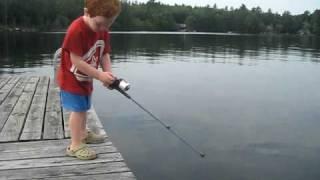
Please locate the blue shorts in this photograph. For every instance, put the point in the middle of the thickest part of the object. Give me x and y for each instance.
(74, 102)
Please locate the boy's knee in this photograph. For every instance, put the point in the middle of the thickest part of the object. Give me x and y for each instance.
(81, 114)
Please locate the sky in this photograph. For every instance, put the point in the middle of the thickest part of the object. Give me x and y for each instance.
(294, 6)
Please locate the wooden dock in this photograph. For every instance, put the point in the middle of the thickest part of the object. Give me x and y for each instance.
(34, 134)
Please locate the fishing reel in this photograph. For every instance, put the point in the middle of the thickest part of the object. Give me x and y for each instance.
(120, 84)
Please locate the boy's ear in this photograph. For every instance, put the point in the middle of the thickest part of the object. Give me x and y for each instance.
(85, 12)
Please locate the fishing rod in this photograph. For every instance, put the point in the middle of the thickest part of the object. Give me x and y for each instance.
(122, 86)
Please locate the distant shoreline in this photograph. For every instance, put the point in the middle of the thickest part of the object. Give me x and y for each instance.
(190, 33)
(63, 31)
(153, 32)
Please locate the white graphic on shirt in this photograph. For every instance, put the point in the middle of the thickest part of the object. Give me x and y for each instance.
(91, 58)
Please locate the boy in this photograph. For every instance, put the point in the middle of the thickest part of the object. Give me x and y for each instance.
(85, 46)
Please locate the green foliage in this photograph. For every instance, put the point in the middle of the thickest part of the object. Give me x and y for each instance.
(39, 14)
(154, 16)
(315, 21)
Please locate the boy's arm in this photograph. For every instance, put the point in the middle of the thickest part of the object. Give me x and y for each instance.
(106, 63)
(105, 77)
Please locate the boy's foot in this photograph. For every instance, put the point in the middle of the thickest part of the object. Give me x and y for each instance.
(82, 152)
(93, 138)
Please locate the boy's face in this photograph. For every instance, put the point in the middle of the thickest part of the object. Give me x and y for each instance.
(100, 23)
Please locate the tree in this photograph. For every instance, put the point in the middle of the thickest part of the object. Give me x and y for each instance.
(155, 16)
(316, 22)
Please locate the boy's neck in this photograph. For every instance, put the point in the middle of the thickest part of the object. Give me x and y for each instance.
(86, 21)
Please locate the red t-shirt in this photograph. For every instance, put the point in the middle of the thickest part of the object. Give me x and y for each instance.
(89, 45)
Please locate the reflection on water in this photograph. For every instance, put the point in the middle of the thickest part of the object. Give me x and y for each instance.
(26, 52)
(250, 102)
(247, 50)
(29, 50)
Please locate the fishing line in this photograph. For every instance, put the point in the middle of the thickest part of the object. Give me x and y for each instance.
(122, 86)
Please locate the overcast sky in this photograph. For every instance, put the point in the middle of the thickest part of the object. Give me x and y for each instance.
(294, 6)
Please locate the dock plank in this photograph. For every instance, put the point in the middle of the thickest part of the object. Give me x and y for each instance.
(65, 171)
(6, 88)
(34, 122)
(58, 161)
(4, 80)
(112, 176)
(53, 128)
(34, 145)
(13, 127)
(7, 106)
(49, 151)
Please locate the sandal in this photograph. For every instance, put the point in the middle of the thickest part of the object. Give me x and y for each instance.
(93, 138)
(82, 152)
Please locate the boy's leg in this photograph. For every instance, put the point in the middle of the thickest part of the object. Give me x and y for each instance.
(84, 127)
(76, 121)
(90, 137)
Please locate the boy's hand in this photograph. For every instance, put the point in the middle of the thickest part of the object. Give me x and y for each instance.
(106, 78)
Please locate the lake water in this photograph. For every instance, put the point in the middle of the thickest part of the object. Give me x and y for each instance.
(251, 103)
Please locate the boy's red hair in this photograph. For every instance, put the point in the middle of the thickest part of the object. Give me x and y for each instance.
(105, 8)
